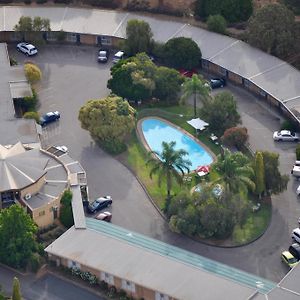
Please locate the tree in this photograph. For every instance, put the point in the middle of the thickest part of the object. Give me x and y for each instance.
(32, 28)
(259, 174)
(272, 29)
(217, 23)
(231, 10)
(138, 37)
(221, 113)
(108, 120)
(32, 72)
(169, 164)
(234, 171)
(235, 137)
(275, 182)
(195, 86)
(133, 79)
(294, 5)
(167, 84)
(66, 213)
(16, 290)
(17, 237)
(182, 52)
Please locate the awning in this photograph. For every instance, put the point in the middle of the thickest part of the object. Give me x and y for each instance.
(198, 123)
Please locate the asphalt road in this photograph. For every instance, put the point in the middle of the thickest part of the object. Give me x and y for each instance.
(71, 76)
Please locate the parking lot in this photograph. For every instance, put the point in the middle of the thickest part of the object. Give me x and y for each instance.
(71, 76)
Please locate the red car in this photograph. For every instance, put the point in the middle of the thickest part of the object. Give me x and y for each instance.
(187, 73)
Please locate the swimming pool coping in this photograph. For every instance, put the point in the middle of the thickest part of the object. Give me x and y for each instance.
(142, 139)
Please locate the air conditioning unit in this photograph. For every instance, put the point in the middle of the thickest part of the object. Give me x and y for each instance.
(27, 196)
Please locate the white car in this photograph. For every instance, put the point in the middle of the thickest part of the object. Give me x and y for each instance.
(62, 148)
(27, 49)
(118, 56)
(286, 136)
(296, 235)
(298, 190)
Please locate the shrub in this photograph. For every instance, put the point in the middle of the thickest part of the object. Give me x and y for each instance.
(298, 152)
(113, 146)
(29, 103)
(35, 262)
(288, 125)
(61, 36)
(103, 286)
(32, 115)
(12, 61)
(235, 136)
(217, 23)
(66, 214)
(32, 72)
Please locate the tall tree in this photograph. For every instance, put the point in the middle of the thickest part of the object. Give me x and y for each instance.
(182, 52)
(169, 164)
(16, 290)
(234, 170)
(275, 182)
(66, 213)
(272, 29)
(195, 86)
(17, 237)
(221, 113)
(259, 174)
(138, 37)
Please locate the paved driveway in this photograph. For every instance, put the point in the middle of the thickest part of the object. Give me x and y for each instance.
(71, 77)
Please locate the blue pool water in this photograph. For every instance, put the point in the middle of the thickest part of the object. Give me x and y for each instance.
(156, 132)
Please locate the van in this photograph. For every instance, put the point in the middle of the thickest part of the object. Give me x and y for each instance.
(296, 235)
(118, 56)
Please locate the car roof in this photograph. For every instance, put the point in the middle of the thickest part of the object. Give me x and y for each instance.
(285, 132)
(49, 114)
(119, 53)
(297, 230)
(287, 254)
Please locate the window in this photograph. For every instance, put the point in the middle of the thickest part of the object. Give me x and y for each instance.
(51, 36)
(105, 40)
(263, 93)
(73, 264)
(41, 213)
(160, 296)
(108, 278)
(16, 36)
(71, 37)
(128, 286)
(205, 64)
(246, 83)
(223, 71)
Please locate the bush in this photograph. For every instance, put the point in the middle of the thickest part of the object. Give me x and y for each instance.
(216, 23)
(12, 61)
(288, 125)
(32, 115)
(103, 286)
(298, 152)
(66, 214)
(29, 103)
(61, 36)
(35, 262)
(113, 146)
(235, 136)
(32, 72)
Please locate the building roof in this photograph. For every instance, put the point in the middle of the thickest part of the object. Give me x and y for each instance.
(154, 264)
(269, 73)
(20, 89)
(20, 167)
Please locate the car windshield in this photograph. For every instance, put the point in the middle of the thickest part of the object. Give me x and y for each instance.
(102, 53)
(32, 49)
(94, 204)
(292, 260)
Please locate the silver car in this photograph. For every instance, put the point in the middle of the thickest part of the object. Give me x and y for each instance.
(286, 136)
(27, 49)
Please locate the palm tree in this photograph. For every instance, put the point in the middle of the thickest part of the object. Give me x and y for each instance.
(170, 164)
(234, 170)
(195, 86)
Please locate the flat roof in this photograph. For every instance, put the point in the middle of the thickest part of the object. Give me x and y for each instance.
(20, 89)
(77, 208)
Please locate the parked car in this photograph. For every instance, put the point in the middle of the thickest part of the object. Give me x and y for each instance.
(217, 83)
(49, 117)
(286, 136)
(296, 172)
(289, 259)
(294, 249)
(103, 55)
(27, 49)
(99, 204)
(62, 148)
(118, 56)
(104, 216)
(187, 73)
(296, 235)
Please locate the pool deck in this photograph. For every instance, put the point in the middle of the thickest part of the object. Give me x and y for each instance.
(142, 139)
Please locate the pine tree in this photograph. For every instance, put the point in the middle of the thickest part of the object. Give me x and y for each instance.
(16, 290)
(259, 174)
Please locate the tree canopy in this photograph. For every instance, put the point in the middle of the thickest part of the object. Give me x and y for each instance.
(221, 113)
(182, 52)
(108, 120)
(32, 72)
(217, 23)
(272, 29)
(27, 24)
(17, 237)
(138, 37)
(138, 78)
(231, 10)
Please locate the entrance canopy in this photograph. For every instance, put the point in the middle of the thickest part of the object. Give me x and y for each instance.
(198, 123)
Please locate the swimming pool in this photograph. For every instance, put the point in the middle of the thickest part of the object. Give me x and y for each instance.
(156, 131)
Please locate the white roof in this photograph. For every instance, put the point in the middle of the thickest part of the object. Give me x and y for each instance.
(198, 123)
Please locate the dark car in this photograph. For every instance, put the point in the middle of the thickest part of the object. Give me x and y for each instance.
(217, 83)
(103, 55)
(49, 117)
(294, 249)
(99, 204)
